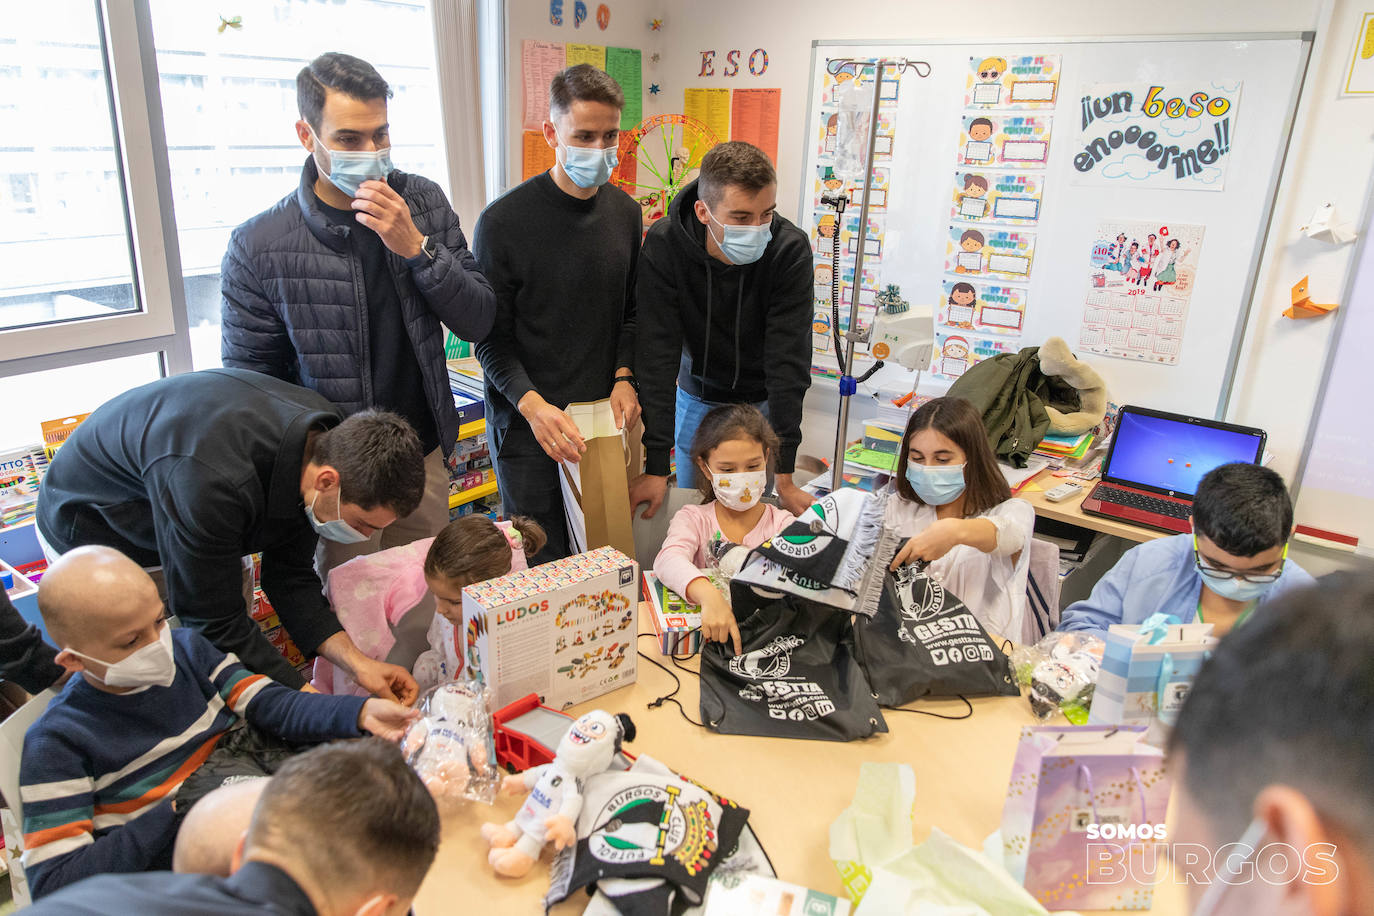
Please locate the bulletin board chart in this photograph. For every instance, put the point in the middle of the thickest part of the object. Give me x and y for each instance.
(1115, 192)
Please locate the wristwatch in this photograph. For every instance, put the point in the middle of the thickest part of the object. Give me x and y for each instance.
(430, 247)
(634, 382)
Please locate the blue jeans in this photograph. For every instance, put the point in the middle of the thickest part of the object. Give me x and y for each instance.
(688, 416)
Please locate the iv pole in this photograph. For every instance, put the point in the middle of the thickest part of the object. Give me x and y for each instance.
(855, 335)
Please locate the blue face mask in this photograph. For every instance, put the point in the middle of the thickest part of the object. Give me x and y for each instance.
(588, 168)
(742, 244)
(1237, 589)
(348, 169)
(339, 531)
(936, 485)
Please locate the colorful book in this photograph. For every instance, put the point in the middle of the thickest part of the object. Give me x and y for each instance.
(676, 622)
(868, 458)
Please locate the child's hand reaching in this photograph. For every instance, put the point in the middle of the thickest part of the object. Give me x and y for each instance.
(386, 718)
(717, 619)
(931, 544)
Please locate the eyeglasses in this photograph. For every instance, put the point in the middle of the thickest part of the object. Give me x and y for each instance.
(989, 74)
(1213, 572)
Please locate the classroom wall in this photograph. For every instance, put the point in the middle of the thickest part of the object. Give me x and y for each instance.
(1330, 159)
(529, 19)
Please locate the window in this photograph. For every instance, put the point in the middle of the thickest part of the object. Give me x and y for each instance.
(64, 228)
(68, 391)
(229, 103)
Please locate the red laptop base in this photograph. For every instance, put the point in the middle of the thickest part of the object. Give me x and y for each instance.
(1093, 505)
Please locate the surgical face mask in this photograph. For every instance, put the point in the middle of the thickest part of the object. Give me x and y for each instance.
(339, 531)
(348, 169)
(1237, 589)
(739, 491)
(742, 244)
(936, 485)
(151, 666)
(588, 168)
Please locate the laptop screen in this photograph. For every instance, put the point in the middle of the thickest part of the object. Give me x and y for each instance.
(1174, 454)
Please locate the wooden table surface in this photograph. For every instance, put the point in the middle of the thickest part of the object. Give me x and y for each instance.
(1070, 510)
(793, 790)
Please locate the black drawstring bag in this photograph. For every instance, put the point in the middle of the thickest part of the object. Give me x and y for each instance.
(797, 678)
(924, 642)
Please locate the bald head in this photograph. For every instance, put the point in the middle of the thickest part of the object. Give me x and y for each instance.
(92, 594)
(210, 834)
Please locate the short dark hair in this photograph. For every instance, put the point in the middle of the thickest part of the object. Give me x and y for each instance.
(736, 163)
(731, 421)
(378, 458)
(1288, 699)
(583, 83)
(980, 122)
(959, 421)
(352, 813)
(972, 234)
(472, 549)
(352, 76)
(1243, 508)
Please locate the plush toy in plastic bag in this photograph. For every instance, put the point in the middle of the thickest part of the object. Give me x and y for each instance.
(450, 745)
(1061, 672)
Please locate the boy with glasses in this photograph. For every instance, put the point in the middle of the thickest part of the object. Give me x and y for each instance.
(1235, 560)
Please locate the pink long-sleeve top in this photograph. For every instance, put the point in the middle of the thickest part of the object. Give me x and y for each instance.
(683, 556)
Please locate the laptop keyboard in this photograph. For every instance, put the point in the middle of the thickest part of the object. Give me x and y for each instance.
(1144, 502)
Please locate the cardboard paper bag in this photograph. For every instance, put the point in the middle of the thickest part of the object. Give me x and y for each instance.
(596, 490)
(1074, 792)
(1147, 671)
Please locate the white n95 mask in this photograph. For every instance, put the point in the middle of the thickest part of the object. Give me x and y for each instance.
(151, 666)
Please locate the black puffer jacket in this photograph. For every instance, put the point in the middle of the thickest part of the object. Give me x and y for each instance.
(295, 305)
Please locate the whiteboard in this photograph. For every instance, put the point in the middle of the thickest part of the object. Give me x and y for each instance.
(926, 120)
(1335, 481)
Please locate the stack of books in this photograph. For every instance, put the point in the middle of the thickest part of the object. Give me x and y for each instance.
(1065, 448)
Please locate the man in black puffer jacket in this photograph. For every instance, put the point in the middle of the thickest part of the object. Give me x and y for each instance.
(341, 286)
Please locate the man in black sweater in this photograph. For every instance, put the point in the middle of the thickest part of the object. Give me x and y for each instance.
(194, 472)
(560, 251)
(724, 299)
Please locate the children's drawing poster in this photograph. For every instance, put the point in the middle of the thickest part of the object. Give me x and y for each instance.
(833, 134)
(956, 353)
(988, 308)
(1004, 141)
(989, 251)
(828, 183)
(1141, 278)
(1156, 135)
(985, 196)
(1013, 81)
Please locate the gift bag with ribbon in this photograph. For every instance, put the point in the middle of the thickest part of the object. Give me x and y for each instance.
(1083, 815)
(797, 678)
(924, 642)
(596, 490)
(1147, 671)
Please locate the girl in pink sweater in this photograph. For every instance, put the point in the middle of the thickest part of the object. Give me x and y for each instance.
(733, 450)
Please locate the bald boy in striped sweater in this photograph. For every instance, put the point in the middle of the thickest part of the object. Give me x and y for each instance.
(145, 707)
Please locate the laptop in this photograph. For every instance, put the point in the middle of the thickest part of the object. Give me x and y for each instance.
(1156, 461)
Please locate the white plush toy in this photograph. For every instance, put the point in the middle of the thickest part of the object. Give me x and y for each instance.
(447, 747)
(555, 793)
